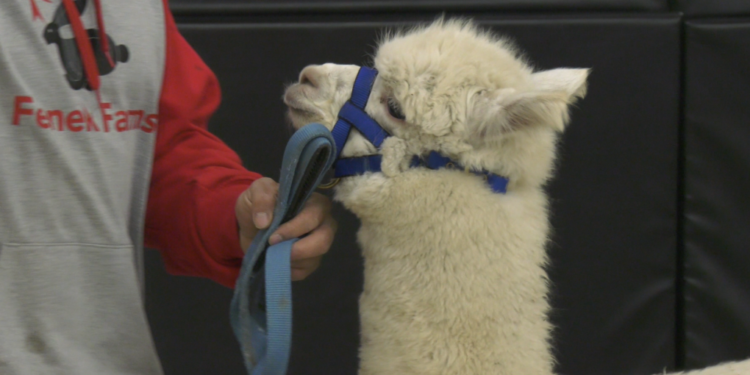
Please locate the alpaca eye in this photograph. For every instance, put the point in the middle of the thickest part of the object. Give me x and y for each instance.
(395, 110)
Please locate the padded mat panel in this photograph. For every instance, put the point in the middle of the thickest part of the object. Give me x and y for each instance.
(717, 203)
(713, 7)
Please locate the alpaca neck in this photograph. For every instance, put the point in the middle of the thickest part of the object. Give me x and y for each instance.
(450, 265)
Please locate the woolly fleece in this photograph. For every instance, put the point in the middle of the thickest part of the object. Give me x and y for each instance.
(454, 273)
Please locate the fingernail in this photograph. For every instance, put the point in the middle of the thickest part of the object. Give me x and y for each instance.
(261, 220)
(276, 238)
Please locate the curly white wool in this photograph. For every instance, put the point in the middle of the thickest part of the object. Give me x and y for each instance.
(454, 273)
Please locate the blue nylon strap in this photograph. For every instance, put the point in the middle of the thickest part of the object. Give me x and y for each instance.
(278, 307)
(498, 184)
(356, 166)
(360, 165)
(340, 133)
(436, 160)
(364, 123)
(353, 113)
(261, 309)
(363, 86)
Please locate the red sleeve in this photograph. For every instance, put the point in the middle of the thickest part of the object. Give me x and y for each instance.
(196, 178)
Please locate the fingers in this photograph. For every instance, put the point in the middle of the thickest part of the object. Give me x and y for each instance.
(263, 194)
(315, 212)
(301, 269)
(316, 244)
(313, 225)
(308, 251)
(254, 209)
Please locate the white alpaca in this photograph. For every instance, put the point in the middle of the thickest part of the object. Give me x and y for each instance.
(454, 277)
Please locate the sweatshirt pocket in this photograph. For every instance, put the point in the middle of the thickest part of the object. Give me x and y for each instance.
(72, 308)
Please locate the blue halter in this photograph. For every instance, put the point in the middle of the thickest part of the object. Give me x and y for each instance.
(353, 114)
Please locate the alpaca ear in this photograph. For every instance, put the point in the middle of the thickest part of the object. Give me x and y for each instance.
(545, 104)
(553, 91)
(571, 82)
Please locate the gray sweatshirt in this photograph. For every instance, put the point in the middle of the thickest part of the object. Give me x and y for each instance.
(75, 165)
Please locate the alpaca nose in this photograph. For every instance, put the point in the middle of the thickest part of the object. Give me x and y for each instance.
(311, 75)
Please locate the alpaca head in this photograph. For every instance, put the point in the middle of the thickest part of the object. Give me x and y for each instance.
(451, 88)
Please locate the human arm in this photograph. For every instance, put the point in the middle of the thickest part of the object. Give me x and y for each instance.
(202, 200)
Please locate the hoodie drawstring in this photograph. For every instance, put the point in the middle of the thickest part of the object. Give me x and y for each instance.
(84, 46)
(102, 32)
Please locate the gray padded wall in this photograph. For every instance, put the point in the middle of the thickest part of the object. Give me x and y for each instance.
(613, 202)
(703, 8)
(717, 186)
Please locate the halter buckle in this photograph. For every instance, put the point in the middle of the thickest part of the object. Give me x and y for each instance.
(329, 184)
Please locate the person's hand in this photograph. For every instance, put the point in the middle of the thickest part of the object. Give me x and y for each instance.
(254, 211)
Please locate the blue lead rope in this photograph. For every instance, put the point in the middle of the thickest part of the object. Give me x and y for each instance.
(261, 309)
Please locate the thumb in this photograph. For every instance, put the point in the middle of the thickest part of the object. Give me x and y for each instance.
(254, 209)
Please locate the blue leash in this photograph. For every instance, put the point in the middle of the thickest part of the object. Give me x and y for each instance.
(261, 309)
